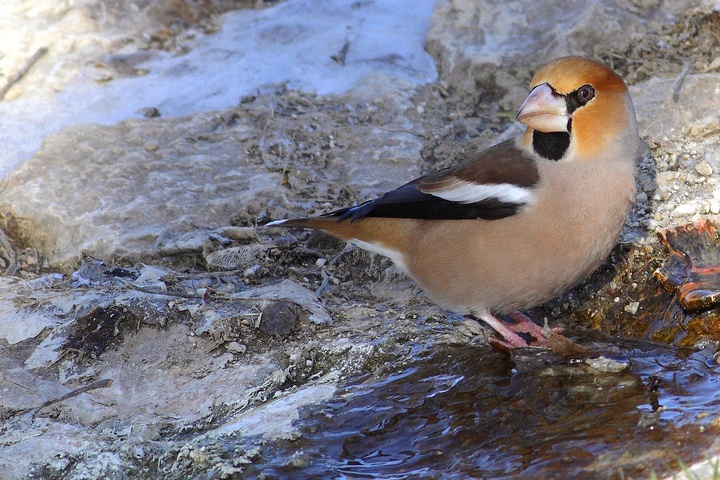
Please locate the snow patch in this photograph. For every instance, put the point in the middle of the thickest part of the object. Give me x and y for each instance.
(320, 45)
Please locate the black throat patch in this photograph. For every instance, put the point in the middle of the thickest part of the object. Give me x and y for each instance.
(551, 145)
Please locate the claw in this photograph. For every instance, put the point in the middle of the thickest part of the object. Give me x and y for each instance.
(544, 337)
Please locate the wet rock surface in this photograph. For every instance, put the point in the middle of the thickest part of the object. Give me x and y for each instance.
(150, 330)
(691, 272)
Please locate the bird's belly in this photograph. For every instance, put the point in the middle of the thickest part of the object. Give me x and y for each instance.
(514, 270)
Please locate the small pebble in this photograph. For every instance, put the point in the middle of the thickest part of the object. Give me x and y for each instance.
(235, 347)
(704, 169)
(243, 234)
(684, 209)
(299, 460)
(321, 262)
(285, 242)
(251, 271)
(632, 307)
(604, 364)
(150, 112)
(473, 326)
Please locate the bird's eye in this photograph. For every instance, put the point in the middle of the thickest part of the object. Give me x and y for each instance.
(585, 94)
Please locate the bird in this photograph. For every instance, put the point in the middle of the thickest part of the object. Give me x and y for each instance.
(521, 222)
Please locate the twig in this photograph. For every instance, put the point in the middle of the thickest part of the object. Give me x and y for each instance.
(203, 275)
(678, 83)
(340, 57)
(14, 78)
(73, 393)
(167, 293)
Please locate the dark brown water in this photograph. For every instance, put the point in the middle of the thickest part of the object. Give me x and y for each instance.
(471, 412)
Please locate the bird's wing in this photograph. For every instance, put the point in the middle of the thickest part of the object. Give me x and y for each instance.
(495, 183)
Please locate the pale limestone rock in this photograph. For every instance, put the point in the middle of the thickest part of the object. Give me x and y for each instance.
(97, 189)
(470, 38)
(659, 114)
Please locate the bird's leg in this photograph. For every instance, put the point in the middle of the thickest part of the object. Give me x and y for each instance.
(512, 339)
(546, 337)
(509, 331)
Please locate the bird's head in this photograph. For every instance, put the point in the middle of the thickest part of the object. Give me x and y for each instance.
(577, 105)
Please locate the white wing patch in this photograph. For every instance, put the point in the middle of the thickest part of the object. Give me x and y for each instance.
(468, 192)
(275, 223)
(397, 257)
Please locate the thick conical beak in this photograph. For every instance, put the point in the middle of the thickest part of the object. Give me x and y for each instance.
(544, 110)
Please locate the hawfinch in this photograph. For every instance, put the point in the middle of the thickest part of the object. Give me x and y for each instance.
(521, 222)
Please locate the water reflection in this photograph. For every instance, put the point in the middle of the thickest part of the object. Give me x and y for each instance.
(471, 412)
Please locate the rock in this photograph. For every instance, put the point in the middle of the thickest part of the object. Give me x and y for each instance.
(604, 364)
(632, 308)
(471, 327)
(653, 99)
(97, 189)
(279, 318)
(704, 168)
(235, 257)
(684, 210)
(291, 292)
(472, 39)
(19, 324)
(236, 348)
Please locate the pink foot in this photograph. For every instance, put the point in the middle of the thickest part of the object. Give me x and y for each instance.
(546, 337)
(512, 339)
(524, 324)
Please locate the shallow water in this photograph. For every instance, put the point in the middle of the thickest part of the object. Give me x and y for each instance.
(471, 412)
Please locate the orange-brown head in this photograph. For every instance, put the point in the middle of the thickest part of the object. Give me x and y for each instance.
(581, 100)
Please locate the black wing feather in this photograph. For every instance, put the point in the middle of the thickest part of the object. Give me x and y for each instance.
(409, 202)
(501, 164)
